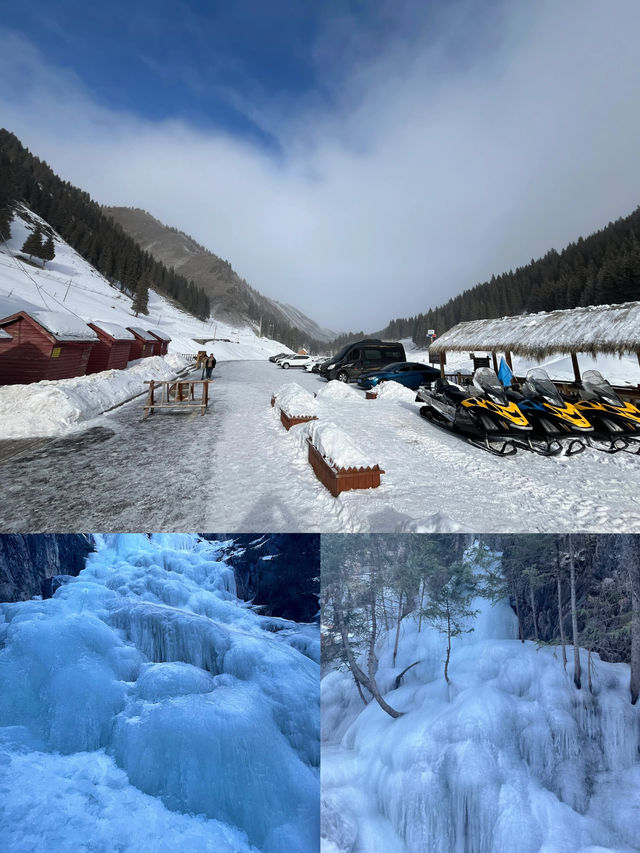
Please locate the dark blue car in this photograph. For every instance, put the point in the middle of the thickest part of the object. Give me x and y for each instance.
(411, 374)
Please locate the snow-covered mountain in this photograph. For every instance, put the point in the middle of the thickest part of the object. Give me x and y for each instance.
(71, 285)
(232, 299)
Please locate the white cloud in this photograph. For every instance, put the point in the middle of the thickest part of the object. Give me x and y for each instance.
(423, 181)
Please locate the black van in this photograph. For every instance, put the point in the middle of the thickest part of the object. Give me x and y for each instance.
(354, 358)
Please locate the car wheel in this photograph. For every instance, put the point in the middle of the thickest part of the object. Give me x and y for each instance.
(285, 366)
(342, 376)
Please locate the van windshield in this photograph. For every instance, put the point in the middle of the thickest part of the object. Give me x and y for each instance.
(341, 353)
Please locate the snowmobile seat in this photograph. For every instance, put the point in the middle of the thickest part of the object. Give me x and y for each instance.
(443, 386)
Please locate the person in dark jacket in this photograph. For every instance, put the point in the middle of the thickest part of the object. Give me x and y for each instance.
(209, 364)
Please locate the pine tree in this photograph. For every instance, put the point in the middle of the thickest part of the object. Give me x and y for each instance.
(48, 250)
(33, 245)
(141, 296)
(450, 589)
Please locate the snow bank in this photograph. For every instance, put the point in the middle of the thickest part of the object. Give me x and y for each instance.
(295, 401)
(335, 390)
(53, 407)
(395, 391)
(336, 446)
(147, 663)
(509, 757)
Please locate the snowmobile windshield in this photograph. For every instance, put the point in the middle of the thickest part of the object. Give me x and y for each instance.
(486, 381)
(538, 379)
(594, 382)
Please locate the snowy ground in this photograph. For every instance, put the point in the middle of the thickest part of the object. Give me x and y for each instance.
(237, 469)
(511, 757)
(145, 708)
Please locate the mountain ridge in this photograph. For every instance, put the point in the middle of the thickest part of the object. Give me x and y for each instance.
(231, 296)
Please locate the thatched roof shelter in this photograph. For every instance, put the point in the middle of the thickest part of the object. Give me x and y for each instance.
(611, 329)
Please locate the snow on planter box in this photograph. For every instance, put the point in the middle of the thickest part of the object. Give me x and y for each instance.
(338, 462)
(296, 405)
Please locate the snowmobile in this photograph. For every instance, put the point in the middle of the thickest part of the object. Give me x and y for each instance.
(615, 421)
(553, 418)
(483, 415)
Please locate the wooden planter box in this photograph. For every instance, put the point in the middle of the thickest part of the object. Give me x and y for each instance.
(340, 480)
(288, 422)
(371, 395)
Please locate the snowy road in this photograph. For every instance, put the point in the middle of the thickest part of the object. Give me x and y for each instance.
(237, 469)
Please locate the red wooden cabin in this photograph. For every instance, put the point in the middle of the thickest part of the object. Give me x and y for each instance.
(161, 343)
(142, 345)
(44, 345)
(113, 347)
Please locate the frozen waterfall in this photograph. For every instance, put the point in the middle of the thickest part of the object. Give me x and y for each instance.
(509, 757)
(145, 707)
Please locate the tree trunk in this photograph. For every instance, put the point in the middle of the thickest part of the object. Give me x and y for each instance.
(574, 618)
(421, 603)
(533, 612)
(631, 558)
(635, 641)
(384, 610)
(589, 681)
(395, 645)
(446, 663)
(357, 673)
(560, 623)
(405, 670)
(515, 596)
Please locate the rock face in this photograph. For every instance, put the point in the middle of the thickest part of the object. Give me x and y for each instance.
(232, 298)
(281, 572)
(28, 562)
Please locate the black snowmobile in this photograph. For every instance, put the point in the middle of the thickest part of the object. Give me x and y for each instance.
(616, 422)
(482, 415)
(553, 418)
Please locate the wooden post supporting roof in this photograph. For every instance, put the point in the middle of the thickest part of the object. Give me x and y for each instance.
(495, 361)
(507, 357)
(576, 368)
(443, 361)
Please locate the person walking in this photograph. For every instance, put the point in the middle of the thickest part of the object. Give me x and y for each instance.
(209, 364)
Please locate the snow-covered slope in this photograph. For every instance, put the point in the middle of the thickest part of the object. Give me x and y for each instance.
(146, 708)
(511, 757)
(71, 285)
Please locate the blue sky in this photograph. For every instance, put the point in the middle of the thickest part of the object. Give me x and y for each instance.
(360, 160)
(213, 64)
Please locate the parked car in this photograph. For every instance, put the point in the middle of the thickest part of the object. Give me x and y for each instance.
(316, 367)
(279, 355)
(411, 374)
(295, 361)
(356, 358)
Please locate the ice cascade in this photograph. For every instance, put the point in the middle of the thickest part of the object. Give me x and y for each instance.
(510, 756)
(146, 696)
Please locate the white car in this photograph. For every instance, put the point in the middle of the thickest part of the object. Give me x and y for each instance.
(295, 361)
